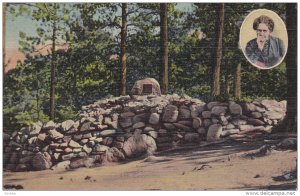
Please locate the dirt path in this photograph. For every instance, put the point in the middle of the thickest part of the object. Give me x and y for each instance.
(218, 167)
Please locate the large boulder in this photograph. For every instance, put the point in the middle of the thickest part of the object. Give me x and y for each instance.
(41, 161)
(139, 144)
(145, 87)
(214, 132)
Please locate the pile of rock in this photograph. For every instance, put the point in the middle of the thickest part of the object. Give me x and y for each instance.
(115, 129)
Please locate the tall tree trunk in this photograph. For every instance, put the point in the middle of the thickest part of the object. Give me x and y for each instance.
(291, 67)
(237, 81)
(3, 36)
(123, 49)
(218, 49)
(164, 81)
(53, 77)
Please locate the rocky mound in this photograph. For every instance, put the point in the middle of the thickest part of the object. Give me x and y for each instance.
(121, 128)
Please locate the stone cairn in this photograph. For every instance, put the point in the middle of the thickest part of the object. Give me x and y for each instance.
(120, 128)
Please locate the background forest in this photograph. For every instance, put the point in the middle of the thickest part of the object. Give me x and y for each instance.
(88, 65)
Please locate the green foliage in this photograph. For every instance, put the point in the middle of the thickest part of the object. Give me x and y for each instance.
(88, 65)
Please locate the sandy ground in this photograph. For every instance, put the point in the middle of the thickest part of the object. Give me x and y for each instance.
(218, 167)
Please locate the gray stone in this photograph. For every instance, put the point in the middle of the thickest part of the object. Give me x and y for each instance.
(87, 149)
(74, 144)
(212, 104)
(235, 109)
(170, 114)
(82, 162)
(217, 110)
(22, 167)
(26, 159)
(154, 118)
(215, 121)
(139, 144)
(76, 150)
(197, 122)
(36, 128)
(112, 155)
(140, 118)
(259, 109)
(201, 131)
(248, 107)
(256, 115)
(138, 125)
(61, 165)
(196, 110)
(77, 137)
(207, 122)
(272, 115)
(184, 112)
(42, 136)
(127, 114)
(229, 132)
(191, 137)
(108, 132)
(67, 125)
(147, 129)
(153, 134)
(248, 128)
(100, 148)
(255, 122)
(223, 120)
(87, 136)
(145, 87)
(55, 134)
(229, 126)
(214, 132)
(238, 122)
(84, 141)
(125, 122)
(183, 127)
(206, 114)
(169, 126)
(272, 105)
(118, 144)
(41, 161)
(86, 126)
(49, 125)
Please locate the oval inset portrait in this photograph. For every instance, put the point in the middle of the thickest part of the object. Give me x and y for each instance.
(264, 39)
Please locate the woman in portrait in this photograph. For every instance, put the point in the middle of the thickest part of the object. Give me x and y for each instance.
(265, 50)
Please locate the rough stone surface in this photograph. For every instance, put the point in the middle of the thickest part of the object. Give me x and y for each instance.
(154, 118)
(67, 125)
(217, 110)
(170, 114)
(235, 109)
(197, 122)
(206, 114)
(41, 161)
(55, 134)
(139, 87)
(214, 132)
(139, 144)
(74, 144)
(49, 125)
(61, 165)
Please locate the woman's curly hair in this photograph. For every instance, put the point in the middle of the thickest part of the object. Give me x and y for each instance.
(264, 19)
